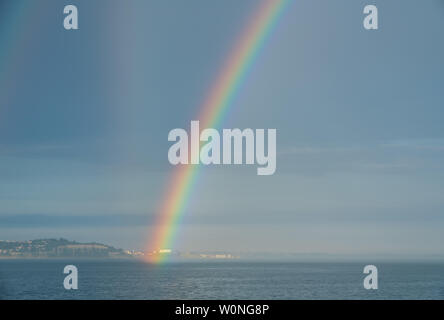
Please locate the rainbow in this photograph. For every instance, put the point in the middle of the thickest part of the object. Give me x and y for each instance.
(16, 26)
(213, 110)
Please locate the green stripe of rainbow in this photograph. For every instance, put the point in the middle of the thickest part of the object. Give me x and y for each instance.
(213, 110)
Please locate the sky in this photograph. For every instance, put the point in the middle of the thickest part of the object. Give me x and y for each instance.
(85, 116)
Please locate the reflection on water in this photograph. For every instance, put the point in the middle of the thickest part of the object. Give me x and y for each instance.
(119, 279)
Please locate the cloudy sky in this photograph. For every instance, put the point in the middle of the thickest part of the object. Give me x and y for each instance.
(85, 116)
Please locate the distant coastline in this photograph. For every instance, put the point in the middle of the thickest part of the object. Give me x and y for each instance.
(58, 248)
(63, 248)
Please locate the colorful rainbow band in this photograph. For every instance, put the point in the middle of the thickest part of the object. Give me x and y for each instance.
(212, 112)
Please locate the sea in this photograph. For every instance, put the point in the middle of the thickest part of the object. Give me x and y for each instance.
(131, 279)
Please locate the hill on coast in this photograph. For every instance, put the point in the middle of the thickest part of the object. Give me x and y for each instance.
(54, 248)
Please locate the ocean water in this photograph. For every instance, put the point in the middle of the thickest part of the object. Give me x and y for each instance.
(123, 279)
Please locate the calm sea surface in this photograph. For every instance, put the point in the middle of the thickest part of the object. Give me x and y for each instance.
(119, 279)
